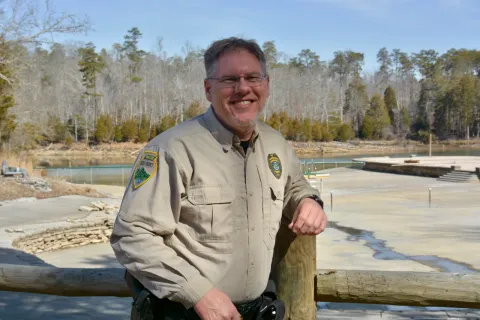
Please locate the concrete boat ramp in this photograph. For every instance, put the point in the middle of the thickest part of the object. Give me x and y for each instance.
(445, 168)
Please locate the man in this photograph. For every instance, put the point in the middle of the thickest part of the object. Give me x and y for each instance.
(199, 217)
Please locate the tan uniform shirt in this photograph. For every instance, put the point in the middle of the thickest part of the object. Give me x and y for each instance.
(200, 213)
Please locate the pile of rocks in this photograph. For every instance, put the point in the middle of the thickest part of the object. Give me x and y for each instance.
(100, 206)
(36, 184)
(62, 238)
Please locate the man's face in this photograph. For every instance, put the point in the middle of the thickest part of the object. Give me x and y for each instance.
(237, 105)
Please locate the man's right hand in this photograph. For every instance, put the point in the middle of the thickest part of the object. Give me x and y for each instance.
(216, 305)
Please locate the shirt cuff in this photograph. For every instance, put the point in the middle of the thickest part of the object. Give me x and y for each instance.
(193, 290)
(317, 199)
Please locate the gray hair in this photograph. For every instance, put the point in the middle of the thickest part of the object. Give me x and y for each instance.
(219, 47)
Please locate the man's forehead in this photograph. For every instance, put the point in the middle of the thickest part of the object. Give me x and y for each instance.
(238, 62)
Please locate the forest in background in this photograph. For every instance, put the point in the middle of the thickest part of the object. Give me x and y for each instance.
(70, 92)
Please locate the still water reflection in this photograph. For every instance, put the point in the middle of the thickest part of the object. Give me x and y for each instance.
(116, 171)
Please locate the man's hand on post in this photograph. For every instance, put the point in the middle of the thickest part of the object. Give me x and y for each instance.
(309, 218)
(216, 305)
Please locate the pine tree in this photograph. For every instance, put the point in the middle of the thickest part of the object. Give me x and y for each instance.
(104, 130)
(132, 53)
(405, 120)
(130, 130)
(193, 110)
(376, 119)
(90, 64)
(317, 131)
(390, 100)
(144, 130)
(7, 101)
(463, 102)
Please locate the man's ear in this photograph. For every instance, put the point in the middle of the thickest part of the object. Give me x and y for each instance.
(268, 85)
(208, 87)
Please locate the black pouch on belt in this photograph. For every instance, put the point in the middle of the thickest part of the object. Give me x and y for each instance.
(142, 299)
(271, 308)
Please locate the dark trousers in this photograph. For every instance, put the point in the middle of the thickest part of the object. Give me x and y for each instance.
(164, 309)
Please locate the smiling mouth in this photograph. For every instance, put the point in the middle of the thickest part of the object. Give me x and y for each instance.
(242, 103)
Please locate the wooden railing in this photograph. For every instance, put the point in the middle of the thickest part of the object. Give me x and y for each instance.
(298, 283)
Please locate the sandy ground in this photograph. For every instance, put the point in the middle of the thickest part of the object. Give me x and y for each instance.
(379, 222)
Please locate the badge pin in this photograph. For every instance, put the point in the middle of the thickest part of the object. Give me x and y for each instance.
(275, 165)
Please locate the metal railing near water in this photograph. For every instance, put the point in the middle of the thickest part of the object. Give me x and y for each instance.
(106, 175)
(119, 174)
(315, 165)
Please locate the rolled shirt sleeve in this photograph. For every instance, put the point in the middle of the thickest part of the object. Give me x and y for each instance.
(297, 187)
(148, 215)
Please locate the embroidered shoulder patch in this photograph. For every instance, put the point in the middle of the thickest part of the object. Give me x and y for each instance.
(275, 165)
(145, 169)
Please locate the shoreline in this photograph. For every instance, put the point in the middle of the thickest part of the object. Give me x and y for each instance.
(303, 149)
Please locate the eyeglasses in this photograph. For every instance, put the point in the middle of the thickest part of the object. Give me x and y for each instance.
(231, 82)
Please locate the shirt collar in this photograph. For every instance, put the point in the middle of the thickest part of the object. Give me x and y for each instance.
(224, 136)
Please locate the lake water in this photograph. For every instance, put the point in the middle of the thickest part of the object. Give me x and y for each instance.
(117, 171)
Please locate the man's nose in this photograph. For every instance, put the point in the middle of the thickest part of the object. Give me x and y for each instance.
(242, 86)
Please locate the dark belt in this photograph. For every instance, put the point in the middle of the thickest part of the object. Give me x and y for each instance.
(249, 309)
(166, 309)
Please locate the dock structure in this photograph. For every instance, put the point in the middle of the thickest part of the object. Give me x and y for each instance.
(446, 168)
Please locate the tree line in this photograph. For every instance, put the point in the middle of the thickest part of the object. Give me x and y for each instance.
(74, 92)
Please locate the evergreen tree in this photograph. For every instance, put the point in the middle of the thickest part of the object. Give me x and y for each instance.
(376, 119)
(7, 101)
(390, 100)
(271, 54)
(463, 102)
(90, 64)
(104, 129)
(306, 59)
(130, 51)
(405, 121)
(130, 130)
(193, 110)
(144, 130)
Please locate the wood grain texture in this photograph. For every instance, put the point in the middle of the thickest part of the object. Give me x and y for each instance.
(293, 271)
(64, 281)
(399, 288)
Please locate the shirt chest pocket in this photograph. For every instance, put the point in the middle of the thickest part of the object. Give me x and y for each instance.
(272, 213)
(209, 213)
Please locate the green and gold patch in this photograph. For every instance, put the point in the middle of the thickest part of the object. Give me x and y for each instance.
(275, 165)
(145, 169)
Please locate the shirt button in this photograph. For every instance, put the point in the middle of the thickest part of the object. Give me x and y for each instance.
(253, 228)
(250, 193)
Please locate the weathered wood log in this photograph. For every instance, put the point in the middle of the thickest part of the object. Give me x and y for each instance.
(63, 281)
(292, 276)
(293, 270)
(439, 289)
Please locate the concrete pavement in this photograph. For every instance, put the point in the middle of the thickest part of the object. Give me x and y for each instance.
(379, 222)
(27, 214)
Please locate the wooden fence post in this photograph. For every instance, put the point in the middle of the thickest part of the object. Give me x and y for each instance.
(293, 270)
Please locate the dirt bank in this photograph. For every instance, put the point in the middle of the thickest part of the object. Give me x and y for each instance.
(336, 148)
(128, 151)
(33, 187)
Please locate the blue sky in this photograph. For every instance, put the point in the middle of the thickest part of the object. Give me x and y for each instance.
(324, 26)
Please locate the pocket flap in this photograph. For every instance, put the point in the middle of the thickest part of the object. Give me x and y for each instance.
(276, 193)
(211, 194)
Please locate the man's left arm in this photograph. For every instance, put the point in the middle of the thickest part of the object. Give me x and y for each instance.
(303, 205)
